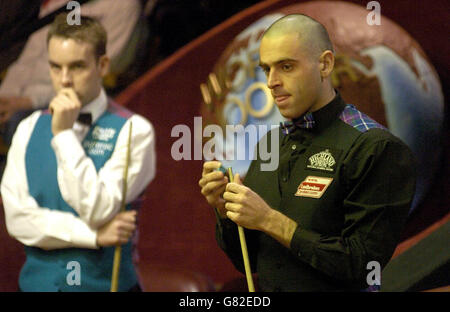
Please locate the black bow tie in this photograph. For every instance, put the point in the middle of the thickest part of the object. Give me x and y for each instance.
(304, 122)
(85, 118)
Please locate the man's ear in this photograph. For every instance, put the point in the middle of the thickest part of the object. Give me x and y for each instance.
(326, 62)
(104, 63)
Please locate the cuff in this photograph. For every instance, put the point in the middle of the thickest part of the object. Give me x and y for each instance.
(303, 244)
(70, 229)
(83, 236)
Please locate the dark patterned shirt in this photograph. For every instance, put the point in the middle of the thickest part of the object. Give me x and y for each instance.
(348, 183)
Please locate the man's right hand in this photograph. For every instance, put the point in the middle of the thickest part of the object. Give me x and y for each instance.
(118, 231)
(213, 184)
(65, 108)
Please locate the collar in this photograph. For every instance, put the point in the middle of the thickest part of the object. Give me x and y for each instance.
(324, 116)
(305, 121)
(96, 107)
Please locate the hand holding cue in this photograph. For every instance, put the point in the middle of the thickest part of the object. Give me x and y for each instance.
(118, 249)
(248, 271)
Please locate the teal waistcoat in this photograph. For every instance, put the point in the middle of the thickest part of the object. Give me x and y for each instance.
(53, 270)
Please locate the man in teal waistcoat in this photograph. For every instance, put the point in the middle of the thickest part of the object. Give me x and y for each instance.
(62, 186)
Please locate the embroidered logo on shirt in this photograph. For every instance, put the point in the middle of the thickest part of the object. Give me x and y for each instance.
(100, 141)
(95, 148)
(103, 134)
(313, 187)
(322, 161)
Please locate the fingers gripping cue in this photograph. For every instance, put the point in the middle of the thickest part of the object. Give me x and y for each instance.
(248, 271)
(118, 250)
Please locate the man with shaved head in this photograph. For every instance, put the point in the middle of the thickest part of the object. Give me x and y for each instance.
(340, 196)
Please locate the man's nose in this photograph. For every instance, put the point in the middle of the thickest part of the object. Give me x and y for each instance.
(66, 77)
(273, 80)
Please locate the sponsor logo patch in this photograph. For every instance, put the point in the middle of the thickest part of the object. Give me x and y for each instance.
(313, 187)
(322, 161)
(322, 158)
(103, 134)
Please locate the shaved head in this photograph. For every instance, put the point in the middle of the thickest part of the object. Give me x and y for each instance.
(312, 34)
(297, 58)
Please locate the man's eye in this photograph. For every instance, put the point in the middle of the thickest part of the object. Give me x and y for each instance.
(286, 67)
(77, 66)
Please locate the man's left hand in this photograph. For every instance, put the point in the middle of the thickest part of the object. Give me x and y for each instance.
(245, 207)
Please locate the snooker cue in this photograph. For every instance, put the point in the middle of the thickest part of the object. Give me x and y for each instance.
(118, 249)
(248, 271)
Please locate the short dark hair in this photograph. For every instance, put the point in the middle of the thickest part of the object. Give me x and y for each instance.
(89, 30)
(299, 23)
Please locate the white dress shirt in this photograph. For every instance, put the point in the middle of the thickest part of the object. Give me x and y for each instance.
(96, 196)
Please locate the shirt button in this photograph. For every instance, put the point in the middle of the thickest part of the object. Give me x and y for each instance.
(284, 179)
(294, 147)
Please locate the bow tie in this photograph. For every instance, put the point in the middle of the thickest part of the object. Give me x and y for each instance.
(304, 122)
(85, 118)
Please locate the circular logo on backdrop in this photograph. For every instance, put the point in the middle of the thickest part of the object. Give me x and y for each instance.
(379, 68)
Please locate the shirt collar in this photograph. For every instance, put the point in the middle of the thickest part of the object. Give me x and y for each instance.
(324, 116)
(305, 121)
(97, 106)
